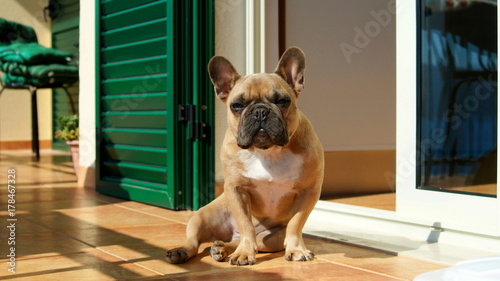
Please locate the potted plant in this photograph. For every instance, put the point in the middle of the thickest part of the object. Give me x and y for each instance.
(68, 132)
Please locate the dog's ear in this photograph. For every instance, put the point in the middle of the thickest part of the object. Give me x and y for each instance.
(223, 76)
(291, 67)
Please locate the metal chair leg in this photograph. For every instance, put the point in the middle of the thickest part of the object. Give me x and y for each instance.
(35, 144)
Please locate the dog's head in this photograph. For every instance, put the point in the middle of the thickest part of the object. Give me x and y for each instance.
(262, 108)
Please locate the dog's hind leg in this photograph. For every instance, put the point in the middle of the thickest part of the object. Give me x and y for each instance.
(207, 224)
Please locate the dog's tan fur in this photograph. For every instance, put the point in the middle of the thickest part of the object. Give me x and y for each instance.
(269, 190)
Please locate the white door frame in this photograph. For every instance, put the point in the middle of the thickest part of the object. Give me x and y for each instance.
(462, 212)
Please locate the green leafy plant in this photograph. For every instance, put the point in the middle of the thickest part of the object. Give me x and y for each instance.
(68, 128)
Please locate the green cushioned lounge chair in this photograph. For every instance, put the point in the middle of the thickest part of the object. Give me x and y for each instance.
(27, 65)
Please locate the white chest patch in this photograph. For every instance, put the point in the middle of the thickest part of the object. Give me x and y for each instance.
(273, 174)
(271, 166)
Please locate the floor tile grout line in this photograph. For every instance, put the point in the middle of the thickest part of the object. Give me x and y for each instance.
(92, 246)
(59, 232)
(142, 212)
(363, 269)
(128, 261)
(153, 215)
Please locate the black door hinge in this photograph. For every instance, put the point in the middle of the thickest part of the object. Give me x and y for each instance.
(186, 114)
(198, 130)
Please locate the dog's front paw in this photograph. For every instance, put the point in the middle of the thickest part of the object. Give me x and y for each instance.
(239, 259)
(299, 255)
(218, 251)
(177, 255)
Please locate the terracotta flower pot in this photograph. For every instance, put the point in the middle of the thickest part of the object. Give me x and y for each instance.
(74, 148)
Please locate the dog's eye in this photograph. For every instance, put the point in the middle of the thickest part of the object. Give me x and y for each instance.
(282, 102)
(237, 106)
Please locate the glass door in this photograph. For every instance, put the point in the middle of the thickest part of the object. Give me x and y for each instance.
(448, 114)
(457, 98)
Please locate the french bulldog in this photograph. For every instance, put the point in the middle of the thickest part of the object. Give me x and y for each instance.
(273, 167)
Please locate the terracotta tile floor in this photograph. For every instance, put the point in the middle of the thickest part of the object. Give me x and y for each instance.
(64, 232)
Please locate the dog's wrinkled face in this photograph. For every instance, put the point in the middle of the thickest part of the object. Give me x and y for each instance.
(261, 107)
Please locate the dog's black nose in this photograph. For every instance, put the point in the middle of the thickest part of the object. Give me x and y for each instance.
(260, 113)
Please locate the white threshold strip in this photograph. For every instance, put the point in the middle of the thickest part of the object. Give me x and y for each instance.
(386, 231)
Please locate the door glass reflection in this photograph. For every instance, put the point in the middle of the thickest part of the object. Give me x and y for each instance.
(457, 121)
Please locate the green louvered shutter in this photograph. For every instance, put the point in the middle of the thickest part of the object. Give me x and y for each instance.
(145, 139)
(65, 37)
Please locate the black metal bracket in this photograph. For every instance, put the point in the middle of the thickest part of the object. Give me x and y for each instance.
(198, 130)
(186, 114)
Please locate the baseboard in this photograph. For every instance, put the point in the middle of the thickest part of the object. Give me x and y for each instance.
(359, 172)
(23, 144)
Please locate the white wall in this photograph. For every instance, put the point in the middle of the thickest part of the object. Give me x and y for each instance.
(350, 95)
(87, 93)
(229, 42)
(15, 105)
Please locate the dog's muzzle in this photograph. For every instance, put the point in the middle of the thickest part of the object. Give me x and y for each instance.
(262, 126)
